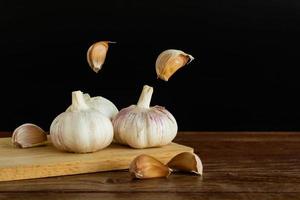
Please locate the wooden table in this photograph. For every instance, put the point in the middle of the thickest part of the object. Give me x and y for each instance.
(237, 165)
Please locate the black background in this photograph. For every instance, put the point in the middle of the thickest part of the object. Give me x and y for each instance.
(244, 76)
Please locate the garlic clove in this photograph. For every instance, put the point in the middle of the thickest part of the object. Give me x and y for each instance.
(96, 55)
(29, 135)
(186, 161)
(145, 167)
(169, 61)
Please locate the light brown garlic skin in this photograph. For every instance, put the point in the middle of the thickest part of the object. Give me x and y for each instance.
(169, 61)
(142, 126)
(186, 162)
(29, 135)
(145, 167)
(96, 55)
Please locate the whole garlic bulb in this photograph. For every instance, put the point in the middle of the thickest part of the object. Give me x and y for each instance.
(101, 104)
(81, 129)
(142, 126)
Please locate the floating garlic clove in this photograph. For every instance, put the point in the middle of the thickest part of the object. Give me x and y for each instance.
(96, 55)
(142, 126)
(29, 135)
(145, 167)
(169, 61)
(186, 161)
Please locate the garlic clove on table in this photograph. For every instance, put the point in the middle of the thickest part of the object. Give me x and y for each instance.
(96, 54)
(142, 126)
(29, 135)
(186, 161)
(169, 61)
(81, 129)
(145, 167)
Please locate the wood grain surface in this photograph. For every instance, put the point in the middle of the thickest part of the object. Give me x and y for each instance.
(237, 165)
(47, 161)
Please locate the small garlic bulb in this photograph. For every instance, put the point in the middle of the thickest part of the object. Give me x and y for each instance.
(169, 61)
(101, 104)
(96, 55)
(141, 126)
(81, 129)
(29, 135)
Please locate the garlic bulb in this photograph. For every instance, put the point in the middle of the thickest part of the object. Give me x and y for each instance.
(81, 129)
(141, 126)
(169, 61)
(96, 55)
(101, 104)
(29, 135)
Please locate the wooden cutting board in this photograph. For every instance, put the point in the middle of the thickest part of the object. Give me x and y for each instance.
(46, 161)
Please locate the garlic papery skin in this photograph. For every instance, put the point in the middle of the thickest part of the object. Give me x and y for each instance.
(81, 129)
(101, 104)
(169, 61)
(96, 54)
(145, 167)
(142, 126)
(186, 162)
(29, 135)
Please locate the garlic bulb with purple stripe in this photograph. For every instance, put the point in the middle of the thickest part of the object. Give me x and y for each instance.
(142, 126)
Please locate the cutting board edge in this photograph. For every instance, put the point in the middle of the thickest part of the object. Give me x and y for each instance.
(27, 170)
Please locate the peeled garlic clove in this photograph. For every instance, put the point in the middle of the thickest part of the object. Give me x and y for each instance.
(169, 61)
(186, 161)
(96, 55)
(145, 167)
(101, 104)
(29, 135)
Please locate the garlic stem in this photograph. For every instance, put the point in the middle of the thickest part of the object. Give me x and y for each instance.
(78, 102)
(145, 98)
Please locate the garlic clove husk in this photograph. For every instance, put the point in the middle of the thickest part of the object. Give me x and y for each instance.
(96, 55)
(145, 167)
(101, 104)
(186, 162)
(142, 126)
(29, 135)
(169, 61)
